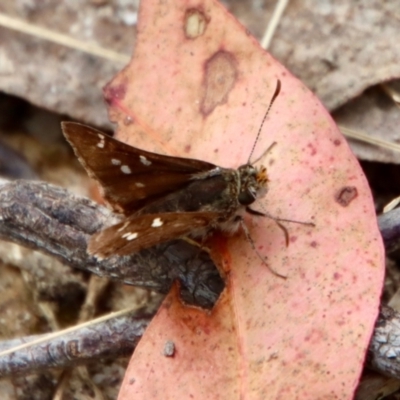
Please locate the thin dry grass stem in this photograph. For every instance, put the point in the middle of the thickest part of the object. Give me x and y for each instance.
(71, 329)
(273, 23)
(391, 205)
(95, 290)
(62, 384)
(61, 39)
(392, 93)
(369, 139)
(85, 376)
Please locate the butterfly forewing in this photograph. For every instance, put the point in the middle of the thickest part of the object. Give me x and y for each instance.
(129, 177)
(140, 232)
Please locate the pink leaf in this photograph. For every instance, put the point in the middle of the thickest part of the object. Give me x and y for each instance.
(198, 86)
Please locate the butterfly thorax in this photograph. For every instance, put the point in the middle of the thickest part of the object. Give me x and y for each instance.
(225, 191)
(217, 192)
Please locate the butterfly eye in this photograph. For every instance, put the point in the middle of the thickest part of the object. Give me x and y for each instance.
(246, 197)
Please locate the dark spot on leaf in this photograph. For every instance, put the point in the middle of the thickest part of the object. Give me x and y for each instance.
(312, 148)
(346, 195)
(314, 244)
(336, 142)
(113, 93)
(128, 120)
(220, 74)
(336, 276)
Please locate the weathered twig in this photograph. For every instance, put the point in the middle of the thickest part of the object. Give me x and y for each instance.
(111, 338)
(384, 349)
(389, 225)
(119, 336)
(49, 219)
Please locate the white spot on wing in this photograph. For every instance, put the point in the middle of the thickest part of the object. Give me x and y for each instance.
(139, 184)
(114, 161)
(102, 142)
(130, 236)
(157, 223)
(144, 161)
(126, 170)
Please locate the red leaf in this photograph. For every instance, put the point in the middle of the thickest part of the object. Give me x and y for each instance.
(198, 87)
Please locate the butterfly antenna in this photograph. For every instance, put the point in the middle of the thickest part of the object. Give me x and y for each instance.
(274, 96)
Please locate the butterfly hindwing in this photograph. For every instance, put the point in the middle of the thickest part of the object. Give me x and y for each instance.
(129, 177)
(143, 231)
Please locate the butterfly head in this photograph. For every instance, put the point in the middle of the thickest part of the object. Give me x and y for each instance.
(253, 183)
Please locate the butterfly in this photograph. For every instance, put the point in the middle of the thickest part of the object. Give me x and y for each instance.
(163, 197)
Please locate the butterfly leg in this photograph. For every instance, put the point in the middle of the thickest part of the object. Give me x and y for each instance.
(253, 245)
(278, 221)
(199, 244)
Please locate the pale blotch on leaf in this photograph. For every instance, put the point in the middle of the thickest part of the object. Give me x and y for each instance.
(169, 348)
(195, 23)
(219, 79)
